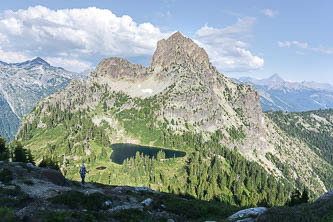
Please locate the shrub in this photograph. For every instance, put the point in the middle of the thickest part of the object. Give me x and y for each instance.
(6, 214)
(6, 176)
(76, 199)
(28, 182)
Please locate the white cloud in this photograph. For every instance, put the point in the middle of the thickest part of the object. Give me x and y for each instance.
(228, 47)
(76, 38)
(305, 46)
(69, 64)
(288, 44)
(302, 45)
(81, 34)
(323, 50)
(284, 44)
(269, 12)
(12, 56)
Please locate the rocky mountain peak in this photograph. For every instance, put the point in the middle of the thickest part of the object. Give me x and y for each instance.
(276, 78)
(181, 50)
(39, 60)
(117, 68)
(34, 62)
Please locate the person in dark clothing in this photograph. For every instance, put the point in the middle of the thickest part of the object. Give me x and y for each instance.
(83, 172)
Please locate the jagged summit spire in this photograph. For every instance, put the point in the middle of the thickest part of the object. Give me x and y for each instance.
(181, 50)
(177, 35)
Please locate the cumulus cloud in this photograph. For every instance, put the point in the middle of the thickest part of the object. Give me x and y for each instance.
(269, 12)
(74, 35)
(69, 64)
(77, 39)
(228, 47)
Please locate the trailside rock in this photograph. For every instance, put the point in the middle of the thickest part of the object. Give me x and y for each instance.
(247, 213)
(328, 195)
(147, 202)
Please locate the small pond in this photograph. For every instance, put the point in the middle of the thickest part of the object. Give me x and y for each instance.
(122, 151)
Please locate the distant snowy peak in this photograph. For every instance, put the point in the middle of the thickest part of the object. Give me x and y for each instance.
(22, 85)
(34, 62)
(277, 82)
(278, 94)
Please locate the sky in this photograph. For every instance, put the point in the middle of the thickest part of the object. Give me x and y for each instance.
(255, 38)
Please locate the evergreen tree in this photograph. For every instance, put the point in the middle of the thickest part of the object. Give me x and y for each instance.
(295, 198)
(4, 152)
(305, 196)
(20, 154)
(30, 157)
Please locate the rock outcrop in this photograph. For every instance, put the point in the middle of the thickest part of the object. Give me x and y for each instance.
(247, 215)
(178, 49)
(119, 68)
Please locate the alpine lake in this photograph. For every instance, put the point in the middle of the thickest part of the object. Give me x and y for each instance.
(123, 151)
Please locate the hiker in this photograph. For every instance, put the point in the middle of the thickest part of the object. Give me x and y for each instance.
(83, 172)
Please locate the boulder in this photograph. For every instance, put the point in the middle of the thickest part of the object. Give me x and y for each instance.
(31, 166)
(107, 203)
(147, 202)
(247, 214)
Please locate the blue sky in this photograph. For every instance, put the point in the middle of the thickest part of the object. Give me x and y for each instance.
(242, 38)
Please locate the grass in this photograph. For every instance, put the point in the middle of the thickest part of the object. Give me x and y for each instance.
(194, 209)
(6, 215)
(70, 216)
(12, 197)
(76, 200)
(130, 215)
(320, 211)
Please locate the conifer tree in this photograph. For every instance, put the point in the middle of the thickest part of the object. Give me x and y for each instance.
(20, 154)
(30, 157)
(4, 152)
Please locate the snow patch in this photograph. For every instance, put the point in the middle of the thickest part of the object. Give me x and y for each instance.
(149, 91)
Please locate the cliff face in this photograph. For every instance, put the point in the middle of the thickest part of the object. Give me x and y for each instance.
(178, 49)
(180, 93)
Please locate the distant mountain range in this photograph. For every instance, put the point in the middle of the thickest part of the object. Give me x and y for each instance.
(278, 94)
(22, 85)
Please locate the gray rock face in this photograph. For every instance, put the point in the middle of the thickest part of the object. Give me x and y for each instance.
(22, 85)
(181, 50)
(328, 195)
(247, 214)
(117, 68)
